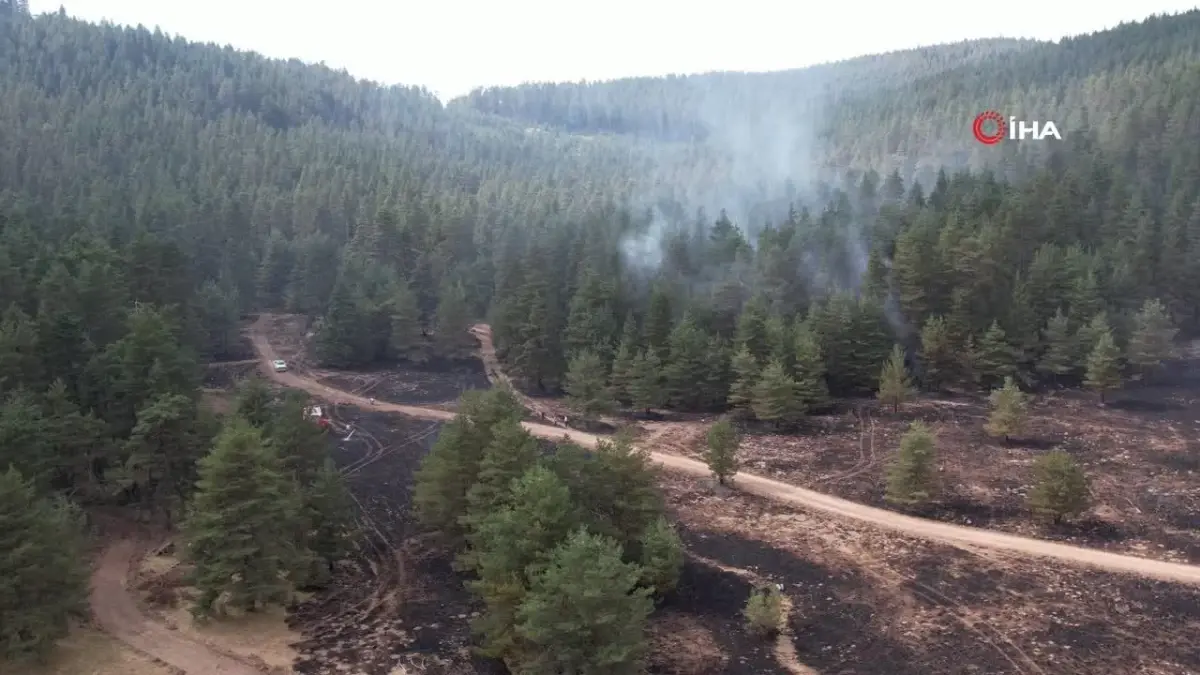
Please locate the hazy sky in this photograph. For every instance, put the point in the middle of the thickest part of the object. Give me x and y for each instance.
(451, 46)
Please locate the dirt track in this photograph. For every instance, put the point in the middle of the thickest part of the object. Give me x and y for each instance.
(117, 613)
(964, 537)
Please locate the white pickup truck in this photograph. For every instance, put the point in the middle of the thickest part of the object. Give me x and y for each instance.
(279, 365)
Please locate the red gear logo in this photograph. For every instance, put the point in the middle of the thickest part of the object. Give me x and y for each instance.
(995, 136)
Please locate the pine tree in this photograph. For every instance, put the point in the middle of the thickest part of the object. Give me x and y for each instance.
(587, 393)
(1060, 487)
(687, 364)
(512, 452)
(895, 385)
(453, 321)
(775, 397)
(1103, 366)
(912, 474)
(780, 340)
(647, 389)
(1059, 354)
(585, 612)
(406, 337)
(1009, 408)
(809, 369)
(297, 439)
(752, 330)
(43, 577)
(240, 531)
(446, 474)
(996, 358)
(329, 520)
(1087, 336)
(254, 402)
(661, 557)
(1153, 334)
(764, 611)
(509, 545)
(746, 373)
(721, 455)
(938, 353)
(623, 366)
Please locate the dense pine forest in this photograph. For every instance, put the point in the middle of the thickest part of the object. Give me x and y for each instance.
(639, 244)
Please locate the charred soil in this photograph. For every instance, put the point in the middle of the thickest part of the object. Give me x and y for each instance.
(398, 604)
(1140, 452)
(866, 602)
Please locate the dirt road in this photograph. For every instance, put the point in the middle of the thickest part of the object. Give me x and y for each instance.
(955, 535)
(117, 614)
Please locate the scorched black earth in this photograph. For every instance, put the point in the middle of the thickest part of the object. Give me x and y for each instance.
(390, 606)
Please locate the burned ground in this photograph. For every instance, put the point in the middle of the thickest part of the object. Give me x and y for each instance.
(398, 603)
(436, 383)
(1140, 452)
(863, 602)
(867, 602)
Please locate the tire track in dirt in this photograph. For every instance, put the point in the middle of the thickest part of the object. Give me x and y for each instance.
(955, 535)
(117, 613)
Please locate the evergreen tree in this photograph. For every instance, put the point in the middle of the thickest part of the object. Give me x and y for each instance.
(587, 393)
(329, 520)
(775, 397)
(406, 336)
(721, 455)
(1087, 336)
(1153, 333)
(938, 353)
(43, 578)
(453, 321)
(1009, 409)
(764, 611)
(895, 385)
(253, 402)
(647, 389)
(752, 330)
(510, 545)
(661, 557)
(912, 474)
(585, 612)
(1060, 487)
(240, 530)
(512, 452)
(1058, 356)
(1103, 366)
(297, 439)
(996, 358)
(809, 369)
(746, 372)
(624, 369)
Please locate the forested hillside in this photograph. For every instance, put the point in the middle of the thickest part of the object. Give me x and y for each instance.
(908, 110)
(153, 191)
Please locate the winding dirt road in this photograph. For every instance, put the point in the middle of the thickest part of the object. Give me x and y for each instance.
(117, 614)
(955, 535)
